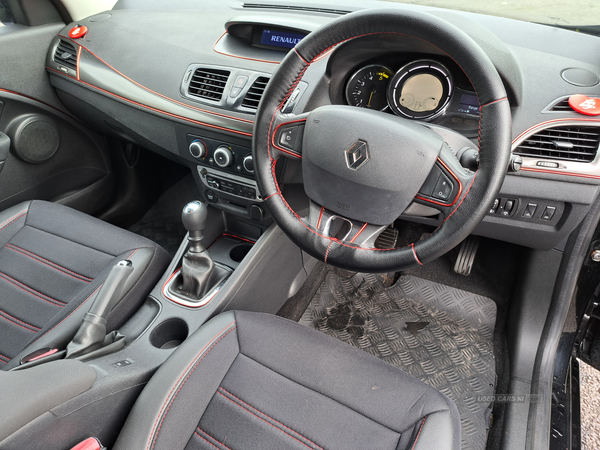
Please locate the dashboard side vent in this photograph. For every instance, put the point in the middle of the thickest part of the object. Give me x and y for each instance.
(254, 94)
(567, 143)
(66, 55)
(561, 105)
(208, 83)
(296, 8)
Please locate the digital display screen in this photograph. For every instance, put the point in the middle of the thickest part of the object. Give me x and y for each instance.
(284, 39)
(469, 104)
(421, 92)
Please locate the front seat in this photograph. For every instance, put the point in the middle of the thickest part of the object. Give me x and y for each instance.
(256, 381)
(53, 260)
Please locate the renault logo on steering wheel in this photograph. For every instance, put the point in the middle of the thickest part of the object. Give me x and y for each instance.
(357, 155)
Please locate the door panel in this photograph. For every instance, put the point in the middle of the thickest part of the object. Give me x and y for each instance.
(52, 155)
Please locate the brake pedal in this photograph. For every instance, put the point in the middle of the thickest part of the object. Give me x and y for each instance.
(387, 239)
(466, 256)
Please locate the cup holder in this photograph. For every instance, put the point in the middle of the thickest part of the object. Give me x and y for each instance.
(169, 334)
(238, 252)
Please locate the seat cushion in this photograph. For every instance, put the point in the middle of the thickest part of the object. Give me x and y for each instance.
(53, 260)
(256, 381)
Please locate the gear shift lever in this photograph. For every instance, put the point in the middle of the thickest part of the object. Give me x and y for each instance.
(197, 264)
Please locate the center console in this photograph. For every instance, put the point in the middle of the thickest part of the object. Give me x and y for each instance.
(108, 384)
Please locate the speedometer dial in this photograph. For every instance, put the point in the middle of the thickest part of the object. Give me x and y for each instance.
(367, 88)
(420, 90)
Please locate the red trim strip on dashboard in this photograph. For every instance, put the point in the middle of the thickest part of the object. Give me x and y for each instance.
(153, 109)
(148, 89)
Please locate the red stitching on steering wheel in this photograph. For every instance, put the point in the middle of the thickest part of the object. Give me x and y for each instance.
(289, 92)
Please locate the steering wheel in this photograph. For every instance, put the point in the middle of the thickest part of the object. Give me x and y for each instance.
(361, 169)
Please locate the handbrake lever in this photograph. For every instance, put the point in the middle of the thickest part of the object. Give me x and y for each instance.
(92, 331)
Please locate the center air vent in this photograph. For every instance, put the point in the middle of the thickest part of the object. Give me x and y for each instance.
(66, 55)
(208, 83)
(568, 143)
(254, 94)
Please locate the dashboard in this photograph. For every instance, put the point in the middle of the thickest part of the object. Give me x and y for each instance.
(184, 79)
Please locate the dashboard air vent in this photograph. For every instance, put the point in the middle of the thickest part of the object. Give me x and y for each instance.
(296, 8)
(208, 83)
(66, 55)
(568, 143)
(254, 94)
(561, 105)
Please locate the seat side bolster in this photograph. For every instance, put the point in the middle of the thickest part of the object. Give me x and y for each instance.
(12, 220)
(437, 431)
(167, 412)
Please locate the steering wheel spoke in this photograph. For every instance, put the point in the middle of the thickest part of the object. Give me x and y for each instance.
(332, 225)
(287, 134)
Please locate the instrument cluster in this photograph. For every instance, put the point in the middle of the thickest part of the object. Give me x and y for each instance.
(422, 89)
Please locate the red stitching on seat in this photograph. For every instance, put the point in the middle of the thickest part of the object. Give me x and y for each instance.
(70, 314)
(419, 433)
(5, 357)
(16, 321)
(49, 263)
(32, 291)
(258, 417)
(220, 443)
(12, 219)
(195, 365)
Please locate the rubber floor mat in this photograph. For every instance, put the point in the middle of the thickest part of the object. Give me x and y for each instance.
(441, 335)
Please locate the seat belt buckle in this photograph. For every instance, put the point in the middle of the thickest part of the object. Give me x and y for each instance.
(89, 444)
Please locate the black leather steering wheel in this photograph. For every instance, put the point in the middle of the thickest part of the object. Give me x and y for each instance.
(362, 168)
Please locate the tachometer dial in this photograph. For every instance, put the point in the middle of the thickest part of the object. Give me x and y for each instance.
(420, 90)
(367, 88)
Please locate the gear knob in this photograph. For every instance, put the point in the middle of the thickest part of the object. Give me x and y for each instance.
(194, 219)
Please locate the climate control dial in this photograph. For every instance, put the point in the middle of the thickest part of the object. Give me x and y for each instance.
(248, 163)
(223, 156)
(197, 149)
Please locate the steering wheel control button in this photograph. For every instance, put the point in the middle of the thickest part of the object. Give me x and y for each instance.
(443, 188)
(548, 213)
(197, 149)
(78, 32)
(290, 137)
(211, 196)
(529, 210)
(223, 156)
(585, 105)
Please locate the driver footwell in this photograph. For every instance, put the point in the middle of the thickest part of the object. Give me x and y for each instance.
(441, 335)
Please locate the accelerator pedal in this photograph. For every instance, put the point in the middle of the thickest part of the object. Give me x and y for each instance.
(466, 256)
(387, 239)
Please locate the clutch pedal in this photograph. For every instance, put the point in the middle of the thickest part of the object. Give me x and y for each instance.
(466, 256)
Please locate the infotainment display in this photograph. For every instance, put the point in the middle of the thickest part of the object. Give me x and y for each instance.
(276, 39)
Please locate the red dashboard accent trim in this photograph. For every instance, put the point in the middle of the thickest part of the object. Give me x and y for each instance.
(153, 109)
(78, 59)
(240, 57)
(556, 172)
(151, 91)
(460, 188)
